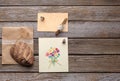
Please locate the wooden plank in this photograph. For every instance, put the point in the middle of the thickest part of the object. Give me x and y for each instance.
(94, 46)
(59, 2)
(83, 13)
(92, 63)
(60, 77)
(88, 46)
(77, 29)
(98, 63)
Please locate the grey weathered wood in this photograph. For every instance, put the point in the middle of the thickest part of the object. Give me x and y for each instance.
(59, 76)
(77, 29)
(94, 63)
(59, 2)
(90, 13)
(94, 46)
(98, 63)
(88, 46)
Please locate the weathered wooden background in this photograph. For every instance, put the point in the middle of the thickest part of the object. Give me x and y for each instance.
(94, 38)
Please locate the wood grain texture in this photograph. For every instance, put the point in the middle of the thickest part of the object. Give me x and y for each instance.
(59, 77)
(94, 63)
(59, 2)
(83, 13)
(94, 46)
(88, 52)
(77, 29)
(88, 46)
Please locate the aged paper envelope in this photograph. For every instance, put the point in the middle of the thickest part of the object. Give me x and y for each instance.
(52, 21)
(12, 34)
(53, 55)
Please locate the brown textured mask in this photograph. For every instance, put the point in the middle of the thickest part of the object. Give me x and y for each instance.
(22, 54)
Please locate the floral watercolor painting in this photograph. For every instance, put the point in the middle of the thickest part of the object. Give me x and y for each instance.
(53, 55)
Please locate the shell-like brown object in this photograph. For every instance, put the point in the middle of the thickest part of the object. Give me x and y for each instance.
(22, 54)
